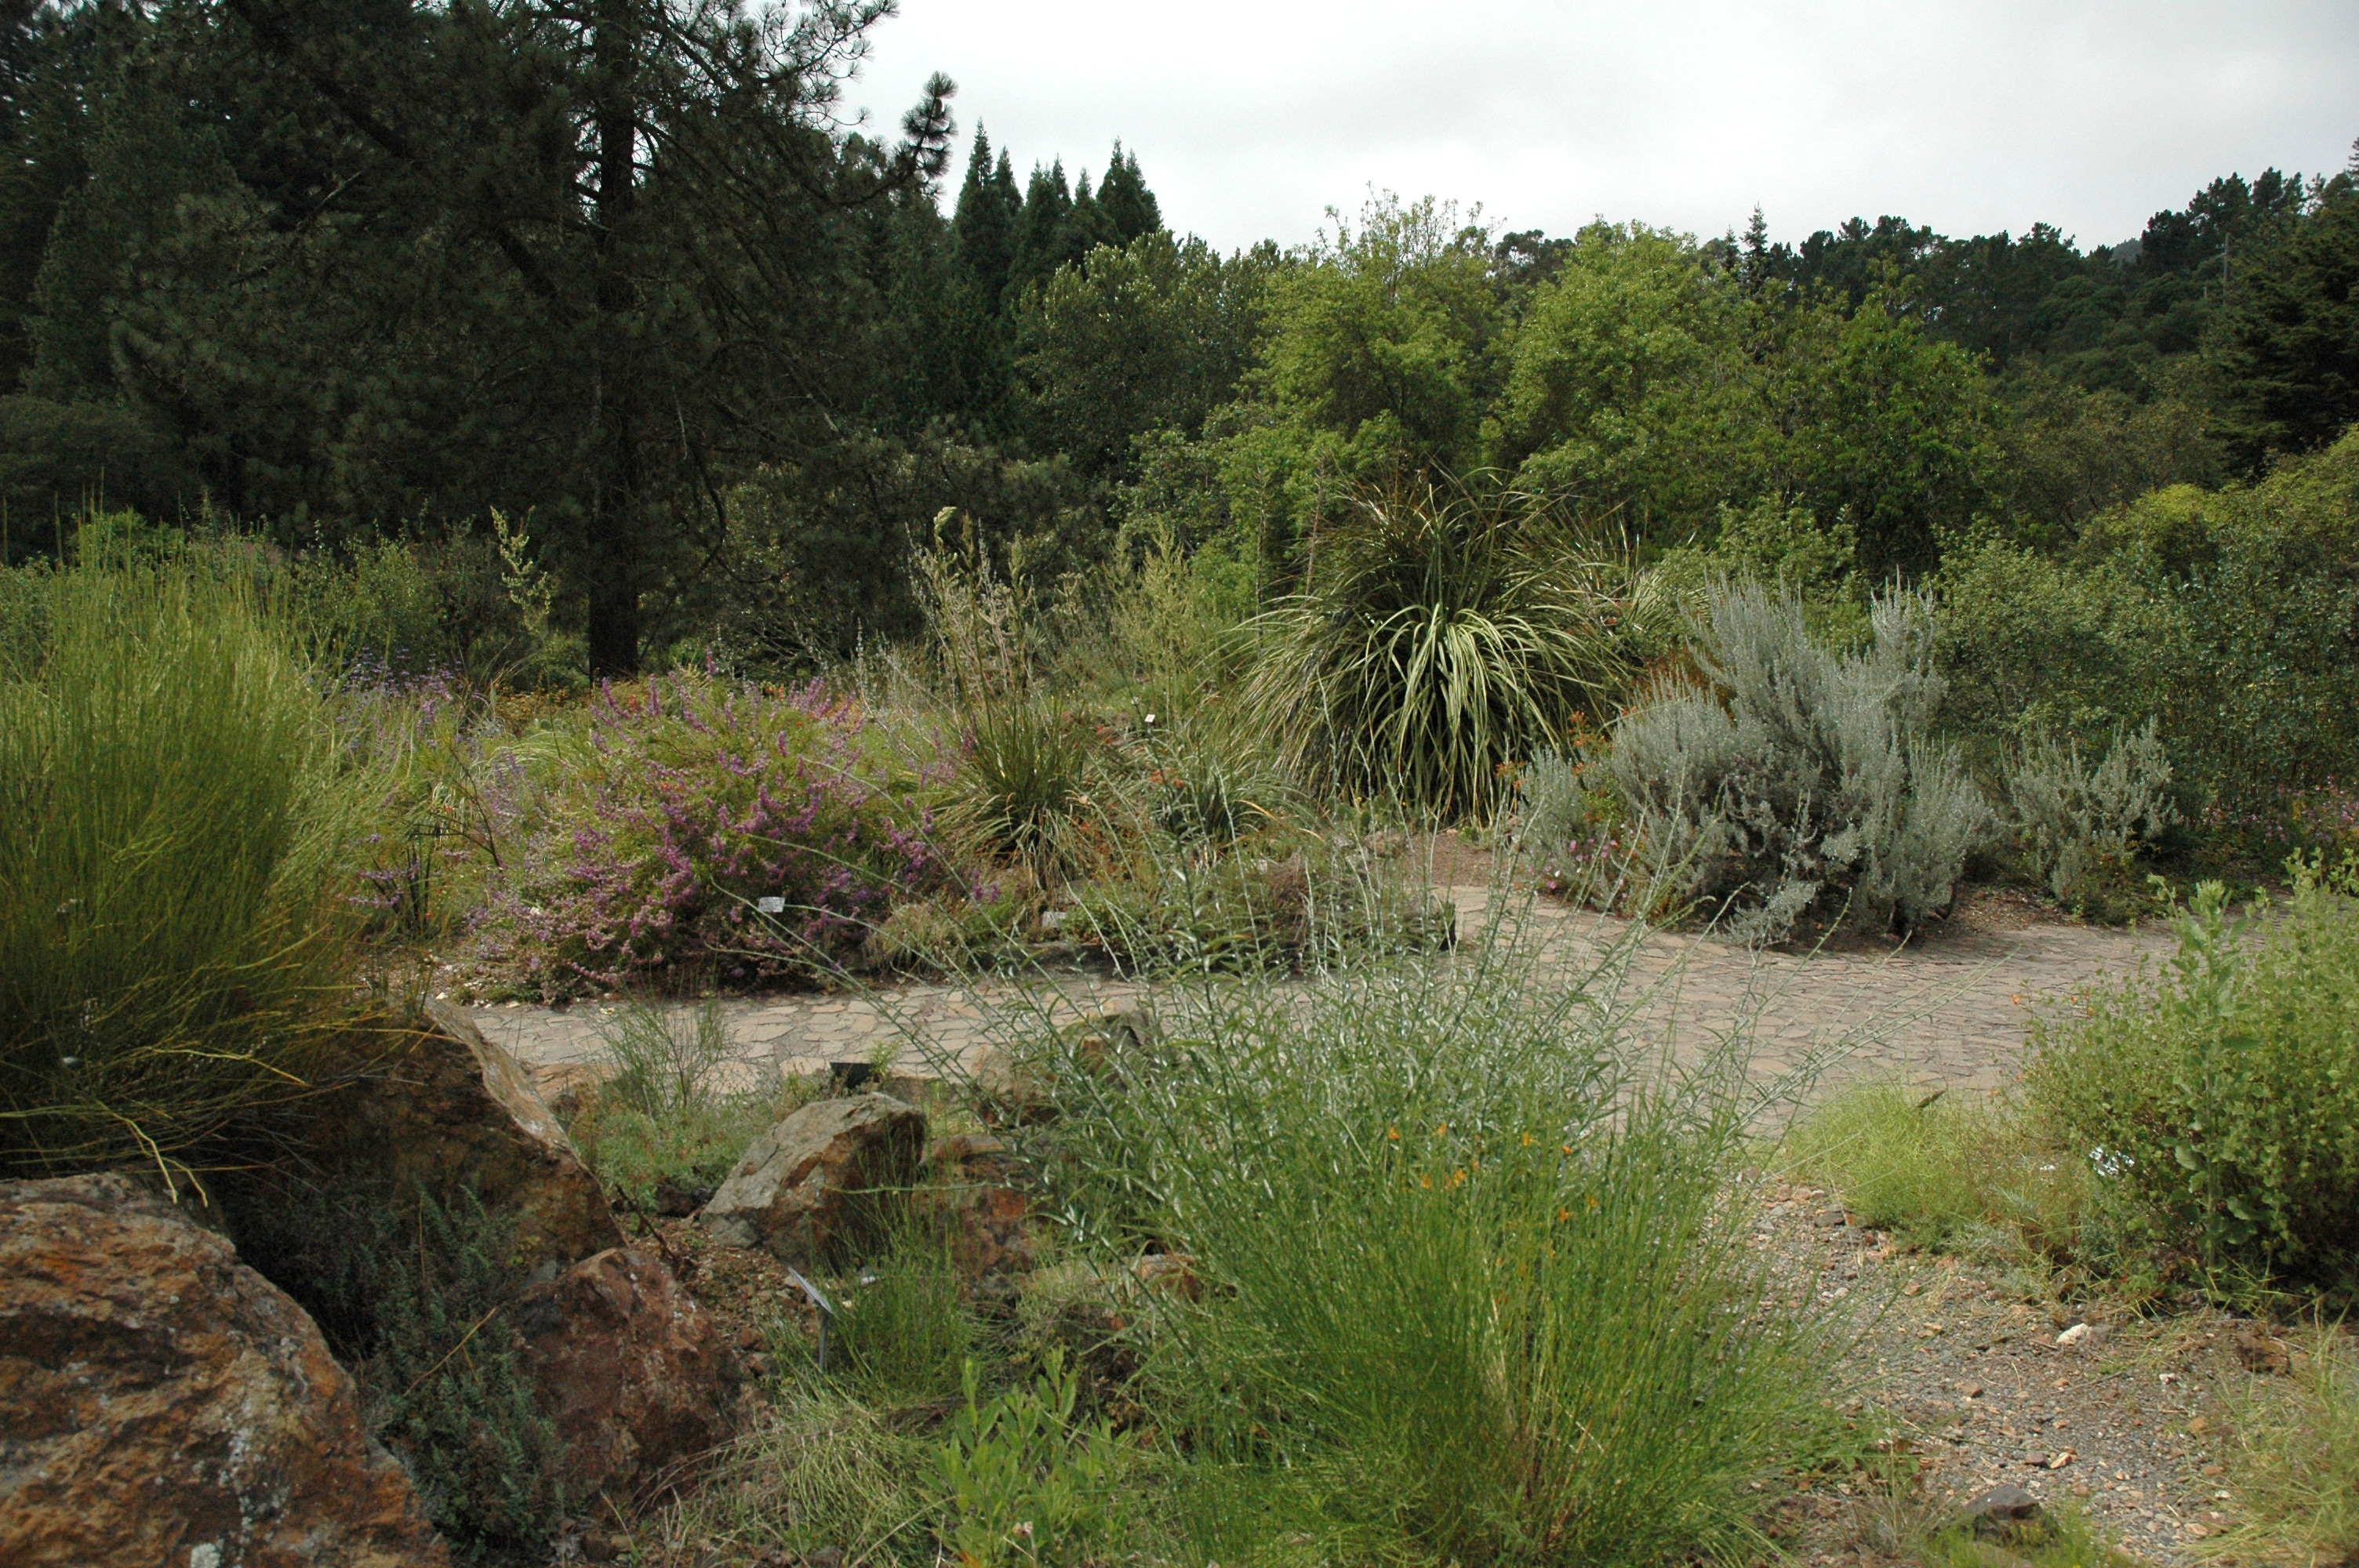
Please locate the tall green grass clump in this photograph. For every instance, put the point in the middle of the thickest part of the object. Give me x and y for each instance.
(2221, 1099)
(1942, 1169)
(1473, 1289)
(173, 888)
(1441, 634)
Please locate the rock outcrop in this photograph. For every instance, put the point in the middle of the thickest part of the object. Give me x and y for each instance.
(983, 1204)
(633, 1373)
(820, 1182)
(166, 1404)
(445, 1107)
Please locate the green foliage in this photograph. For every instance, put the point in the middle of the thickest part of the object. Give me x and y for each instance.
(2230, 617)
(1799, 775)
(2289, 342)
(1442, 634)
(1620, 390)
(175, 845)
(1470, 1288)
(2222, 1098)
(822, 1472)
(1023, 1482)
(449, 1390)
(664, 1062)
(58, 460)
(1941, 1171)
(1022, 783)
(1150, 337)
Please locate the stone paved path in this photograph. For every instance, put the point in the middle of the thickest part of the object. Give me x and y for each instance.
(1951, 1011)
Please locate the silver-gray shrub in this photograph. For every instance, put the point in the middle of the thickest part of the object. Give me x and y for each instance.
(2073, 819)
(1796, 776)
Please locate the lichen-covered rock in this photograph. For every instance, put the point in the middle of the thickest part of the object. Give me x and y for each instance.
(162, 1403)
(983, 1200)
(634, 1374)
(447, 1108)
(818, 1182)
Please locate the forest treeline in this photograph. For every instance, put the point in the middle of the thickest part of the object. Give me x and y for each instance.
(624, 274)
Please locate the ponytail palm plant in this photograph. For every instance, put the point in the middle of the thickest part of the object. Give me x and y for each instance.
(1445, 631)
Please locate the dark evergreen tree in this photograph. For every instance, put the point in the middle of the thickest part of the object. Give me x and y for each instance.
(982, 226)
(1130, 208)
(2290, 343)
(1086, 225)
(1040, 231)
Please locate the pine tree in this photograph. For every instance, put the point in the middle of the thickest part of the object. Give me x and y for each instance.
(1038, 232)
(1087, 225)
(1129, 206)
(983, 229)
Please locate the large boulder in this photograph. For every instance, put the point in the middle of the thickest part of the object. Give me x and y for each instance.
(634, 1374)
(818, 1182)
(162, 1403)
(447, 1110)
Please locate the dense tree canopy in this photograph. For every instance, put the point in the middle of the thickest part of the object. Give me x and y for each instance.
(616, 267)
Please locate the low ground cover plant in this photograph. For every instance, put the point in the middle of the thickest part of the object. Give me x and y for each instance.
(2221, 1097)
(2293, 1456)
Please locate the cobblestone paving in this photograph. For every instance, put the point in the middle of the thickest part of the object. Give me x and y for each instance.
(1951, 1011)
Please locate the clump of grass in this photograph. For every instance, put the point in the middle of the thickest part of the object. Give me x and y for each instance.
(2293, 1458)
(1470, 1288)
(1943, 1169)
(902, 1321)
(823, 1471)
(175, 840)
(2068, 1539)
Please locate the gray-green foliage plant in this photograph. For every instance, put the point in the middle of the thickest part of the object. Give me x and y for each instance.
(1443, 633)
(1795, 775)
(2075, 821)
(2221, 1099)
(175, 844)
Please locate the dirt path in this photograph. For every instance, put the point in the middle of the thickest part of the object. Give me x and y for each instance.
(1948, 1010)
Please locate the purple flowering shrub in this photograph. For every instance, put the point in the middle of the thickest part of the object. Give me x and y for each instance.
(697, 801)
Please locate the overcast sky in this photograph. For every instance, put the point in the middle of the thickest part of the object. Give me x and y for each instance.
(1251, 117)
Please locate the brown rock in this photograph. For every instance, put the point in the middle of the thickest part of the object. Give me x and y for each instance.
(166, 1404)
(633, 1373)
(2003, 1512)
(2264, 1355)
(982, 1198)
(818, 1182)
(447, 1108)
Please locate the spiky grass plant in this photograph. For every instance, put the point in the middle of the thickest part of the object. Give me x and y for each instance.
(1442, 631)
(174, 905)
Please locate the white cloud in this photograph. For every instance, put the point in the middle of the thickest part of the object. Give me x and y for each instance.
(1249, 119)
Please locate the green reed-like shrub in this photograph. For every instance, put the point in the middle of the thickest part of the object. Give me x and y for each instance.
(1472, 1288)
(174, 897)
(2221, 1097)
(1441, 633)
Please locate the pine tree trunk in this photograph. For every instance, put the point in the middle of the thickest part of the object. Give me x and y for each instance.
(615, 523)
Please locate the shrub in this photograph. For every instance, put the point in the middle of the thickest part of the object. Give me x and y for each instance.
(1796, 773)
(1020, 782)
(1440, 634)
(174, 889)
(1571, 831)
(1472, 1290)
(2222, 1098)
(901, 1325)
(693, 804)
(2079, 823)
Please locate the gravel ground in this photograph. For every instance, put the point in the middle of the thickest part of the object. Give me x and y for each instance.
(1968, 1367)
